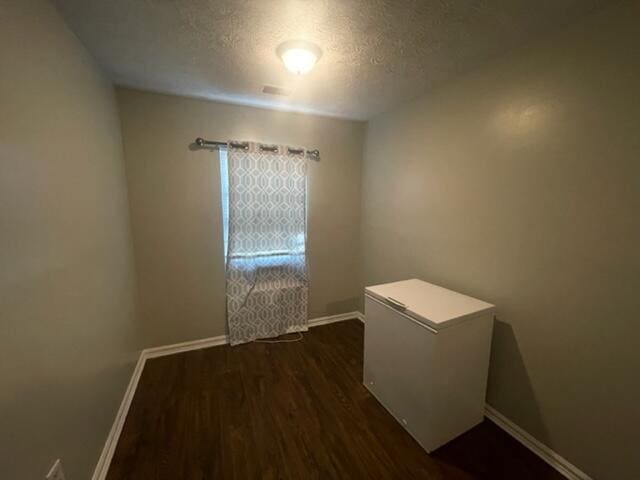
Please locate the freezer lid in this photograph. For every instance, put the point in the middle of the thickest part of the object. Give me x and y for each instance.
(433, 305)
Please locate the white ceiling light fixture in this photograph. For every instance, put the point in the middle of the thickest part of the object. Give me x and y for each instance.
(299, 56)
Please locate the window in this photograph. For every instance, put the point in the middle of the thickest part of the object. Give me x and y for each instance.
(263, 206)
(264, 203)
(224, 189)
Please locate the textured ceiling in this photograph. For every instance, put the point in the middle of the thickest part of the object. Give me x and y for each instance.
(376, 53)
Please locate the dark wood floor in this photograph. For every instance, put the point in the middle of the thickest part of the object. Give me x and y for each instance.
(290, 411)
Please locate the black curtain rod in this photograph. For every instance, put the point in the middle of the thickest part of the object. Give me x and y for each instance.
(201, 142)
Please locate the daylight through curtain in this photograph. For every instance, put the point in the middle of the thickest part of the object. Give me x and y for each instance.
(265, 225)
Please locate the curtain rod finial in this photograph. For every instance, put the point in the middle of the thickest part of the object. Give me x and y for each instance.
(200, 141)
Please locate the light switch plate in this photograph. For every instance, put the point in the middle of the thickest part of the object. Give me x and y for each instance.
(56, 472)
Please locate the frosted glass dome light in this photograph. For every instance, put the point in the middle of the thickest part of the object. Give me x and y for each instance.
(299, 56)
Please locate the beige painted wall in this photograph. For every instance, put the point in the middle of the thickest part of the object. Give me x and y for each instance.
(67, 327)
(520, 184)
(175, 207)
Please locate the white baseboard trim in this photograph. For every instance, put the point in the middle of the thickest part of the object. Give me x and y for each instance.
(333, 318)
(102, 467)
(185, 346)
(224, 339)
(559, 463)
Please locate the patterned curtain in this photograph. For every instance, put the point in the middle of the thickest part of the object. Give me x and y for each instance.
(266, 222)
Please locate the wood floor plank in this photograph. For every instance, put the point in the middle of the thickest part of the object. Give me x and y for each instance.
(291, 411)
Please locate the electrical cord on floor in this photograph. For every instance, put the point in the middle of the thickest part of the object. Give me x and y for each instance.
(287, 340)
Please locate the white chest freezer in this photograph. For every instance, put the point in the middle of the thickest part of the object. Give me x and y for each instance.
(426, 357)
